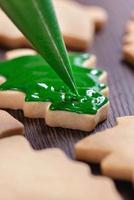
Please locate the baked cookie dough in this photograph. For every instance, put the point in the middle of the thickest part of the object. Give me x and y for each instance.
(128, 41)
(77, 23)
(47, 174)
(9, 125)
(112, 148)
(28, 83)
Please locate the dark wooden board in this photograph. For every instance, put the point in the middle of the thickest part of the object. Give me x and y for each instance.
(107, 47)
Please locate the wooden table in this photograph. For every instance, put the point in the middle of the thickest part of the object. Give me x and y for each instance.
(107, 47)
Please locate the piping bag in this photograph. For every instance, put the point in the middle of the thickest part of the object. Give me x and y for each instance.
(37, 20)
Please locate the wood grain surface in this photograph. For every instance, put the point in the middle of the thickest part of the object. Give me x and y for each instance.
(107, 47)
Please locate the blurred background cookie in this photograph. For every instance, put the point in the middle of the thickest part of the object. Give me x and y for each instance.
(128, 41)
(78, 24)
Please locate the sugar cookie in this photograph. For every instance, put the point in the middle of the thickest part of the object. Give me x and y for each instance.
(128, 42)
(40, 93)
(29, 174)
(112, 148)
(78, 34)
(9, 125)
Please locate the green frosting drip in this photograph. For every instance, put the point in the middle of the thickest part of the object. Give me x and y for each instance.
(33, 76)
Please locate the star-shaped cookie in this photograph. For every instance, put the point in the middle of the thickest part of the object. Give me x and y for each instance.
(77, 23)
(113, 148)
(47, 174)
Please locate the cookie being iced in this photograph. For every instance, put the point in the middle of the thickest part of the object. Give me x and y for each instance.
(77, 33)
(128, 42)
(113, 148)
(9, 125)
(29, 83)
(29, 174)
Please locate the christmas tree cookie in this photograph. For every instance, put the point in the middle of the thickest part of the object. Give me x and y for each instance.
(128, 41)
(37, 175)
(29, 83)
(113, 148)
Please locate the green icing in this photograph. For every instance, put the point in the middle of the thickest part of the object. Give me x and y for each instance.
(78, 59)
(33, 76)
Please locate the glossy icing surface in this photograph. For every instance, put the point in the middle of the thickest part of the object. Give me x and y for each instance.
(34, 77)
